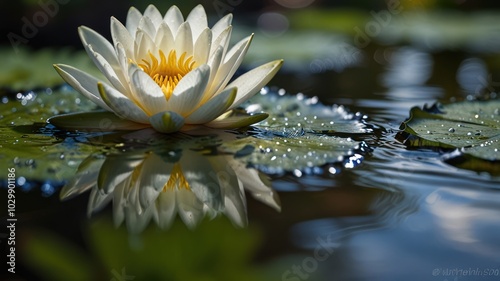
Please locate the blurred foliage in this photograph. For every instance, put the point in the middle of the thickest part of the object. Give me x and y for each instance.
(216, 251)
(25, 69)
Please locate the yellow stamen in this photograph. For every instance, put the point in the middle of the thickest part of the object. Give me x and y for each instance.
(176, 179)
(167, 71)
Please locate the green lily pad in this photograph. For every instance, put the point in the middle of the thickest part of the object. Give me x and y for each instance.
(303, 153)
(37, 152)
(471, 126)
(297, 112)
(301, 135)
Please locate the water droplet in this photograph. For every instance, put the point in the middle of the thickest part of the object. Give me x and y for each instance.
(451, 130)
(297, 173)
(469, 133)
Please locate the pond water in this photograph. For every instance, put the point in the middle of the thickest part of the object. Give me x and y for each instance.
(400, 214)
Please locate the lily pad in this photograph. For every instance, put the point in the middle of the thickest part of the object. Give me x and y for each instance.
(27, 142)
(298, 112)
(473, 127)
(298, 136)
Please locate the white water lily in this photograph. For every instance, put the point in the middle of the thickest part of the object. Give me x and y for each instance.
(167, 72)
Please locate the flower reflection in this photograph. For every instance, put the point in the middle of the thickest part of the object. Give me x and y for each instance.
(174, 176)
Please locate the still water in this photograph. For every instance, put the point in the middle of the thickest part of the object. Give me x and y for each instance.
(401, 214)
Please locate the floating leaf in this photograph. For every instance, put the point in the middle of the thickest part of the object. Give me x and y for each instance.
(471, 126)
(32, 148)
(289, 140)
(297, 112)
(298, 153)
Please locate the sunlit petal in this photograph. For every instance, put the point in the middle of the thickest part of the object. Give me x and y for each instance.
(190, 90)
(213, 108)
(100, 44)
(197, 19)
(148, 92)
(82, 82)
(133, 18)
(121, 35)
(121, 105)
(154, 15)
(251, 82)
(174, 19)
(234, 122)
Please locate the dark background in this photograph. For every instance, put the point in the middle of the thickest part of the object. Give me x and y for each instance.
(60, 27)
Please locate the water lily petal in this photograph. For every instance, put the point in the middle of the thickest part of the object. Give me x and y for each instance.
(115, 77)
(144, 45)
(82, 82)
(133, 18)
(214, 62)
(251, 82)
(221, 40)
(184, 40)
(124, 65)
(233, 122)
(121, 105)
(164, 37)
(101, 121)
(99, 44)
(174, 19)
(221, 25)
(121, 35)
(166, 122)
(213, 108)
(154, 15)
(232, 61)
(148, 93)
(197, 19)
(147, 26)
(202, 47)
(189, 91)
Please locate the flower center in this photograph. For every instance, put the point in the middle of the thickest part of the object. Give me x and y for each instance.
(176, 179)
(167, 71)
